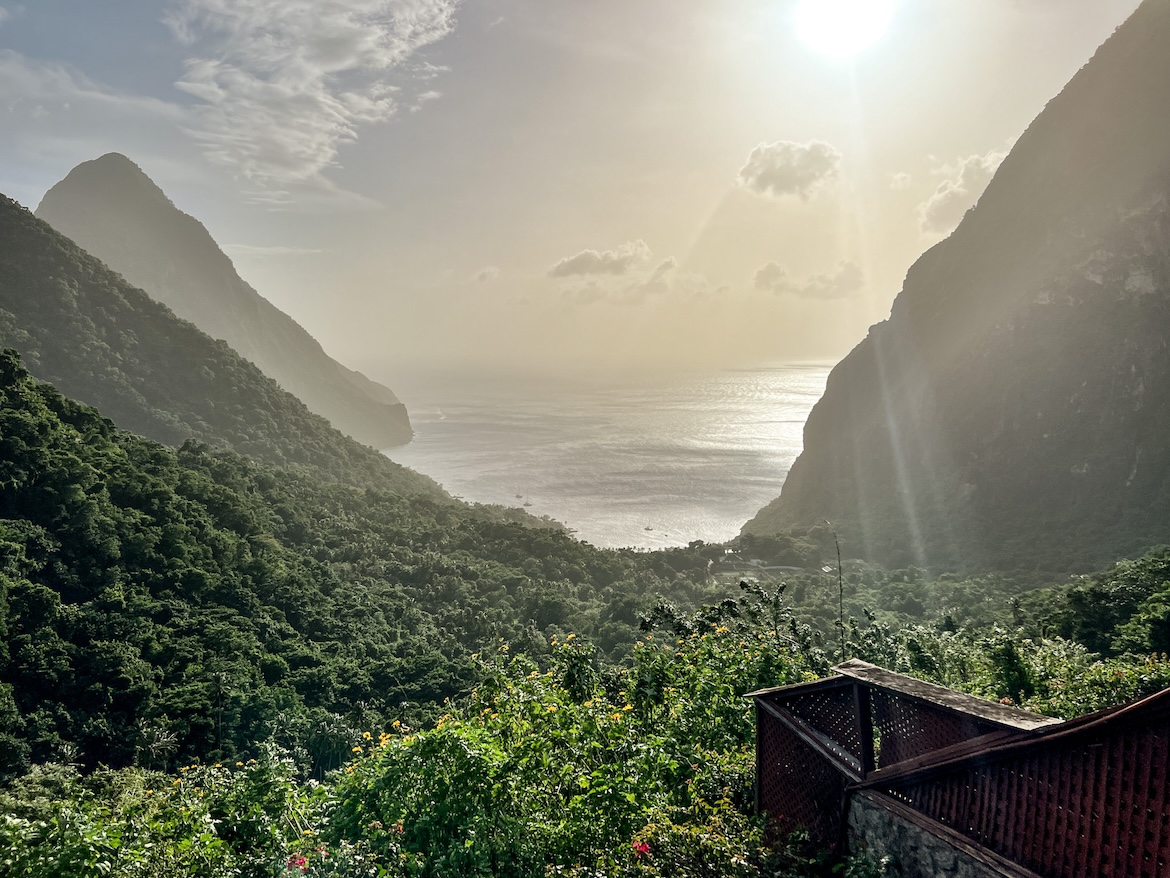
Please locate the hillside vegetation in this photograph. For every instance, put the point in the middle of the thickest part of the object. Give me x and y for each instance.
(160, 604)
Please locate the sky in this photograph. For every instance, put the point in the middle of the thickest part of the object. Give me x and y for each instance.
(544, 187)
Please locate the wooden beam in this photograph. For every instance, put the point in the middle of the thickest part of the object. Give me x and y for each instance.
(941, 696)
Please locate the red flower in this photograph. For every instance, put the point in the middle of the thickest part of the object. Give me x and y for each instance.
(640, 847)
(301, 863)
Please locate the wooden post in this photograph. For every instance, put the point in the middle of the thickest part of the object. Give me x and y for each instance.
(864, 727)
(759, 755)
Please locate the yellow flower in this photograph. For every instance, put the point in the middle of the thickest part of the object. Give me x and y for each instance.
(570, 637)
(616, 716)
(307, 832)
(395, 724)
(239, 765)
(176, 782)
(628, 707)
(185, 768)
(356, 750)
(366, 736)
(589, 703)
(552, 708)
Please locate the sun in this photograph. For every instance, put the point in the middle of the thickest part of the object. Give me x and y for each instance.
(843, 28)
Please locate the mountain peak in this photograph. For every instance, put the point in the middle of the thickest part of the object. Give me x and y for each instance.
(112, 178)
(111, 208)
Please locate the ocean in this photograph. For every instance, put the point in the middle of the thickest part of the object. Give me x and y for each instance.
(646, 465)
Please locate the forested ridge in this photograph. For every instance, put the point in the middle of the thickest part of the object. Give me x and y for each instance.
(161, 604)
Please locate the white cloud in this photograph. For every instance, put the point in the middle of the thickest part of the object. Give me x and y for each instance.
(27, 83)
(635, 284)
(4, 15)
(900, 180)
(789, 168)
(282, 84)
(55, 117)
(963, 184)
(617, 261)
(487, 273)
(774, 278)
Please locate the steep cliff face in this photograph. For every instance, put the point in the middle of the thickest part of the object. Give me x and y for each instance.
(1015, 408)
(114, 211)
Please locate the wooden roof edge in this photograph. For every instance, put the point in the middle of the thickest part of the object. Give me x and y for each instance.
(800, 688)
(941, 696)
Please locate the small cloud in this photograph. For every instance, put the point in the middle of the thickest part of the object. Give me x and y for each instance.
(666, 266)
(637, 285)
(789, 168)
(774, 278)
(617, 261)
(900, 180)
(4, 15)
(963, 184)
(487, 273)
(424, 98)
(847, 279)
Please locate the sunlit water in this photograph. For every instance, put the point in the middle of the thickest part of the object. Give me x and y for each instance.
(648, 466)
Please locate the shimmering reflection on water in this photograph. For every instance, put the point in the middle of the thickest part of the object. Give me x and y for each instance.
(622, 465)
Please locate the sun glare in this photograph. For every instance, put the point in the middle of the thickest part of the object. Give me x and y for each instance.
(843, 28)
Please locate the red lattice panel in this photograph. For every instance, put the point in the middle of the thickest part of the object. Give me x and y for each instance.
(798, 787)
(1088, 806)
(833, 713)
(908, 728)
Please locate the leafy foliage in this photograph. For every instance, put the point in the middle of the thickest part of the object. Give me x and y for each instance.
(159, 605)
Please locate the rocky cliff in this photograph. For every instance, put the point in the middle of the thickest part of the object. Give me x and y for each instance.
(114, 211)
(1014, 410)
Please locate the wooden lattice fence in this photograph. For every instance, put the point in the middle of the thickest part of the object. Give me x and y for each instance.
(1081, 799)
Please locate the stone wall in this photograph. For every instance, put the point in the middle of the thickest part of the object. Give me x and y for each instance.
(916, 846)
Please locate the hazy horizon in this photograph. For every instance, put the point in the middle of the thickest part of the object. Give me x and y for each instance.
(511, 187)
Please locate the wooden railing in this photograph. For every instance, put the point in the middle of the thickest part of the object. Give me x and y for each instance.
(1082, 799)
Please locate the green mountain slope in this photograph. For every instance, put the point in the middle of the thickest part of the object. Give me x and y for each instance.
(1014, 411)
(115, 212)
(159, 604)
(82, 327)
